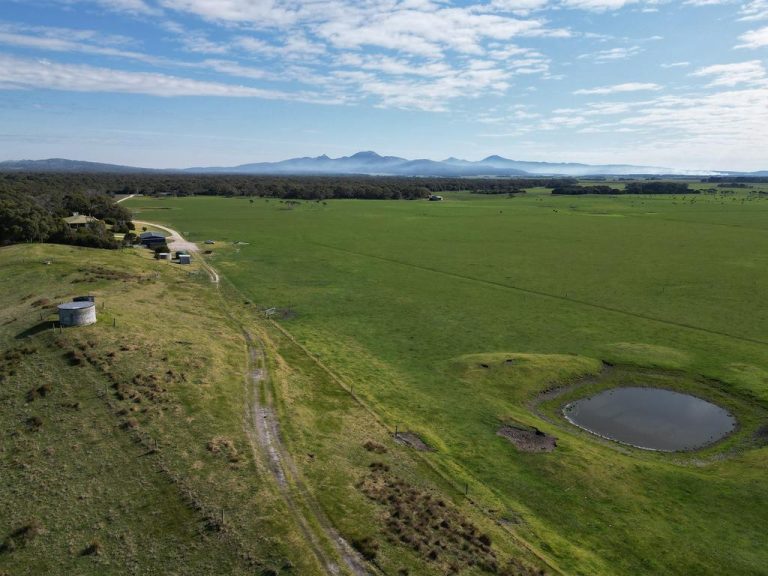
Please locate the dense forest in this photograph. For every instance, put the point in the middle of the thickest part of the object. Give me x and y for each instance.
(731, 181)
(35, 214)
(653, 187)
(286, 187)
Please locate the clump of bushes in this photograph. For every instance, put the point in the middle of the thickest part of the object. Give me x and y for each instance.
(225, 447)
(367, 546)
(374, 447)
(34, 423)
(39, 392)
(94, 548)
(21, 536)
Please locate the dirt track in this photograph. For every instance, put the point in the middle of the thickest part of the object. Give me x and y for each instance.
(263, 432)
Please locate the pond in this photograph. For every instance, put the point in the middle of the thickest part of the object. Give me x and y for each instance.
(651, 418)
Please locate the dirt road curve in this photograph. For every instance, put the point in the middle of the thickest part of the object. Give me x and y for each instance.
(176, 242)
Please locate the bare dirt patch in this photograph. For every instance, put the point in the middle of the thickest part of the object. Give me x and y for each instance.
(412, 440)
(528, 440)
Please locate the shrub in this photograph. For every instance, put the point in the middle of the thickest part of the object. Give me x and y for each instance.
(368, 547)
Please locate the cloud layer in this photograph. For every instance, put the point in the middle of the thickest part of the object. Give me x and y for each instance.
(539, 69)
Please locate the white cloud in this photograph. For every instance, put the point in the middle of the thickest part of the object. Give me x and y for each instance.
(257, 12)
(754, 38)
(137, 6)
(676, 65)
(707, 2)
(415, 27)
(754, 10)
(23, 73)
(613, 54)
(597, 5)
(426, 33)
(751, 72)
(69, 40)
(619, 88)
(295, 46)
(234, 69)
(518, 6)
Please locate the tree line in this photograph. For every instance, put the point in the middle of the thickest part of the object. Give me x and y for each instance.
(731, 180)
(31, 214)
(283, 187)
(654, 187)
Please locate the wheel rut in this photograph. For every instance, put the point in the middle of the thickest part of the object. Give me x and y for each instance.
(262, 428)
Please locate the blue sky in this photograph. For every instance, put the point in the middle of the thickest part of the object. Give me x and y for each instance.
(175, 83)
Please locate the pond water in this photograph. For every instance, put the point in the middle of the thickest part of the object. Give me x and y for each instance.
(651, 418)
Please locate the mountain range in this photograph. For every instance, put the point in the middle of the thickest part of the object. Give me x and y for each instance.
(371, 163)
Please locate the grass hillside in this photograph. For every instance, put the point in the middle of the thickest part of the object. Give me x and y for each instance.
(405, 301)
(124, 450)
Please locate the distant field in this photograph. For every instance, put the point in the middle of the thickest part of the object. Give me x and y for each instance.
(406, 300)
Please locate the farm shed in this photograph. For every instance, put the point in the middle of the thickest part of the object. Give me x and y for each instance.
(185, 259)
(150, 239)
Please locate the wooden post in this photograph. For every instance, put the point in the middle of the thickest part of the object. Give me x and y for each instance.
(395, 430)
(114, 322)
(466, 489)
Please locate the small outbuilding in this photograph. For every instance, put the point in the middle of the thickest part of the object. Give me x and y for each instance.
(77, 313)
(163, 255)
(185, 259)
(150, 239)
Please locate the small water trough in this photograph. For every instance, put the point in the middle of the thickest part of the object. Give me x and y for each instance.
(651, 418)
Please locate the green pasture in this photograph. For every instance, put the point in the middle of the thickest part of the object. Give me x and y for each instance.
(406, 300)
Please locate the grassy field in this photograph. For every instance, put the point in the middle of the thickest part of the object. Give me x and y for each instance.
(404, 301)
(123, 445)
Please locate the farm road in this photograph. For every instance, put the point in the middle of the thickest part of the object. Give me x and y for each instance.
(263, 432)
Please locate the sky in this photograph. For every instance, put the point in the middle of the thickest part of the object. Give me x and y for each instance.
(179, 83)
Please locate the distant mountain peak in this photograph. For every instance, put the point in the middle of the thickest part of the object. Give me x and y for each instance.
(365, 155)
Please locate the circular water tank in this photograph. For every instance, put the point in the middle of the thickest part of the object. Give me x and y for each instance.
(77, 313)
